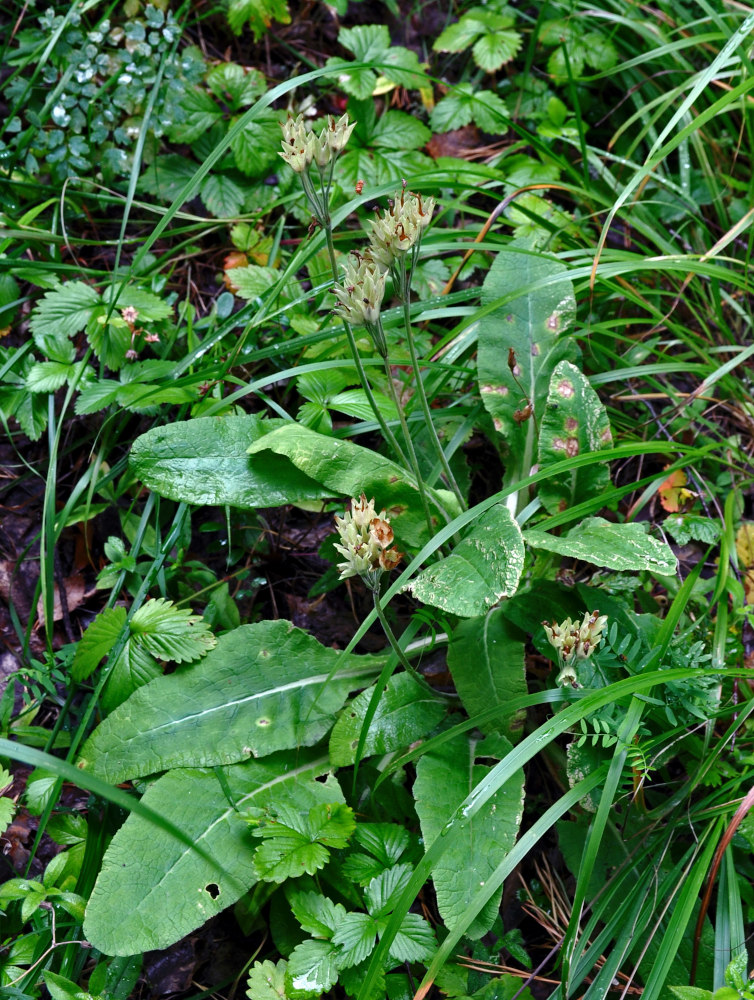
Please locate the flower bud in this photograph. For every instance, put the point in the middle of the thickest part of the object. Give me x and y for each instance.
(298, 144)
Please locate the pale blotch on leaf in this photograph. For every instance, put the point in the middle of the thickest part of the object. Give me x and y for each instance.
(558, 444)
(553, 321)
(571, 424)
(535, 350)
(497, 390)
(264, 653)
(565, 388)
(264, 722)
(572, 447)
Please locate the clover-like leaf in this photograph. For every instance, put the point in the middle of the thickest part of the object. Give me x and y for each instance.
(294, 844)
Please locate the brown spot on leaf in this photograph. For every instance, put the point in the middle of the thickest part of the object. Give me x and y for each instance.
(572, 447)
(553, 321)
(572, 424)
(565, 388)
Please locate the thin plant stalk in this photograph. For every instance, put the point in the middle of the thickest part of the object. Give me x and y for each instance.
(394, 644)
(404, 292)
(361, 371)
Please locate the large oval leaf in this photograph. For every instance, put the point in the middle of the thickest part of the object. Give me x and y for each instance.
(347, 469)
(444, 778)
(204, 461)
(405, 712)
(614, 546)
(152, 889)
(263, 688)
(486, 659)
(484, 567)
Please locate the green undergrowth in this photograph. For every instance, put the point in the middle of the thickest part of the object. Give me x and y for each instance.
(453, 370)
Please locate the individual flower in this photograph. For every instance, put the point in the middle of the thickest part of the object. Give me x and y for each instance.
(130, 314)
(365, 537)
(574, 641)
(400, 228)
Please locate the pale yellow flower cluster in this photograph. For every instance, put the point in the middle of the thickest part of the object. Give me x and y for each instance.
(574, 641)
(301, 146)
(365, 540)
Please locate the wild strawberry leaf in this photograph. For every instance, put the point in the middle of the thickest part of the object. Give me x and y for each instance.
(294, 844)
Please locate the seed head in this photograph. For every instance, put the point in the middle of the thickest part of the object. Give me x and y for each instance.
(399, 228)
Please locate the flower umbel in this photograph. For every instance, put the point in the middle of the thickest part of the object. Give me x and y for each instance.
(400, 228)
(365, 540)
(298, 144)
(574, 641)
(360, 297)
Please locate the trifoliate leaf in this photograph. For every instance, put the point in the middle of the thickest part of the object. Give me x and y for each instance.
(397, 130)
(386, 841)
(150, 307)
(600, 53)
(166, 177)
(254, 280)
(267, 981)
(684, 527)
(367, 42)
(294, 844)
(200, 113)
(311, 970)
(171, 633)
(97, 641)
(61, 314)
(459, 36)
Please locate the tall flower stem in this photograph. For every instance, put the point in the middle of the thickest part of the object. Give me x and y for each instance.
(404, 289)
(388, 434)
(414, 461)
(394, 644)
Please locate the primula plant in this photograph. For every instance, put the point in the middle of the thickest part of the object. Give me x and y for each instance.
(343, 375)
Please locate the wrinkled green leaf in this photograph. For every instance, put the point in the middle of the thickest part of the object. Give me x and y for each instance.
(574, 422)
(311, 970)
(348, 469)
(615, 546)
(406, 711)
(267, 981)
(153, 889)
(253, 694)
(205, 461)
(531, 326)
(486, 659)
(97, 641)
(483, 568)
(294, 844)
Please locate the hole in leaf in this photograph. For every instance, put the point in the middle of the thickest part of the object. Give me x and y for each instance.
(322, 779)
(213, 889)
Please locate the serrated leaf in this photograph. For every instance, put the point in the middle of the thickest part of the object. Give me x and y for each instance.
(367, 42)
(48, 376)
(256, 147)
(483, 568)
(561, 68)
(491, 51)
(171, 633)
(349, 470)
(397, 130)
(133, 668)
(383, 891)
(294, 844)
(614, 546)
(204, 461)
(414, 941)
(166, 177)
(684, 527)
(109, 341)
(599, 51)
(312, 970)
(574, 422)
(405, 712)
(386, 841)
(153, 889)
(444, 778)
(200, 113)
(380, 166)
(486, 659)
(97, 641)
(231, 81)
(254, 280)
(258, 14)
(151, 308)
(452, 112)
(359, 83)
(97, 396)
(317, 914)
(222, 196)
(356, 935)
(459, 36)
(263, 688)
(402, 67)
(7, 812)
(65, 310)
(267, 981)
